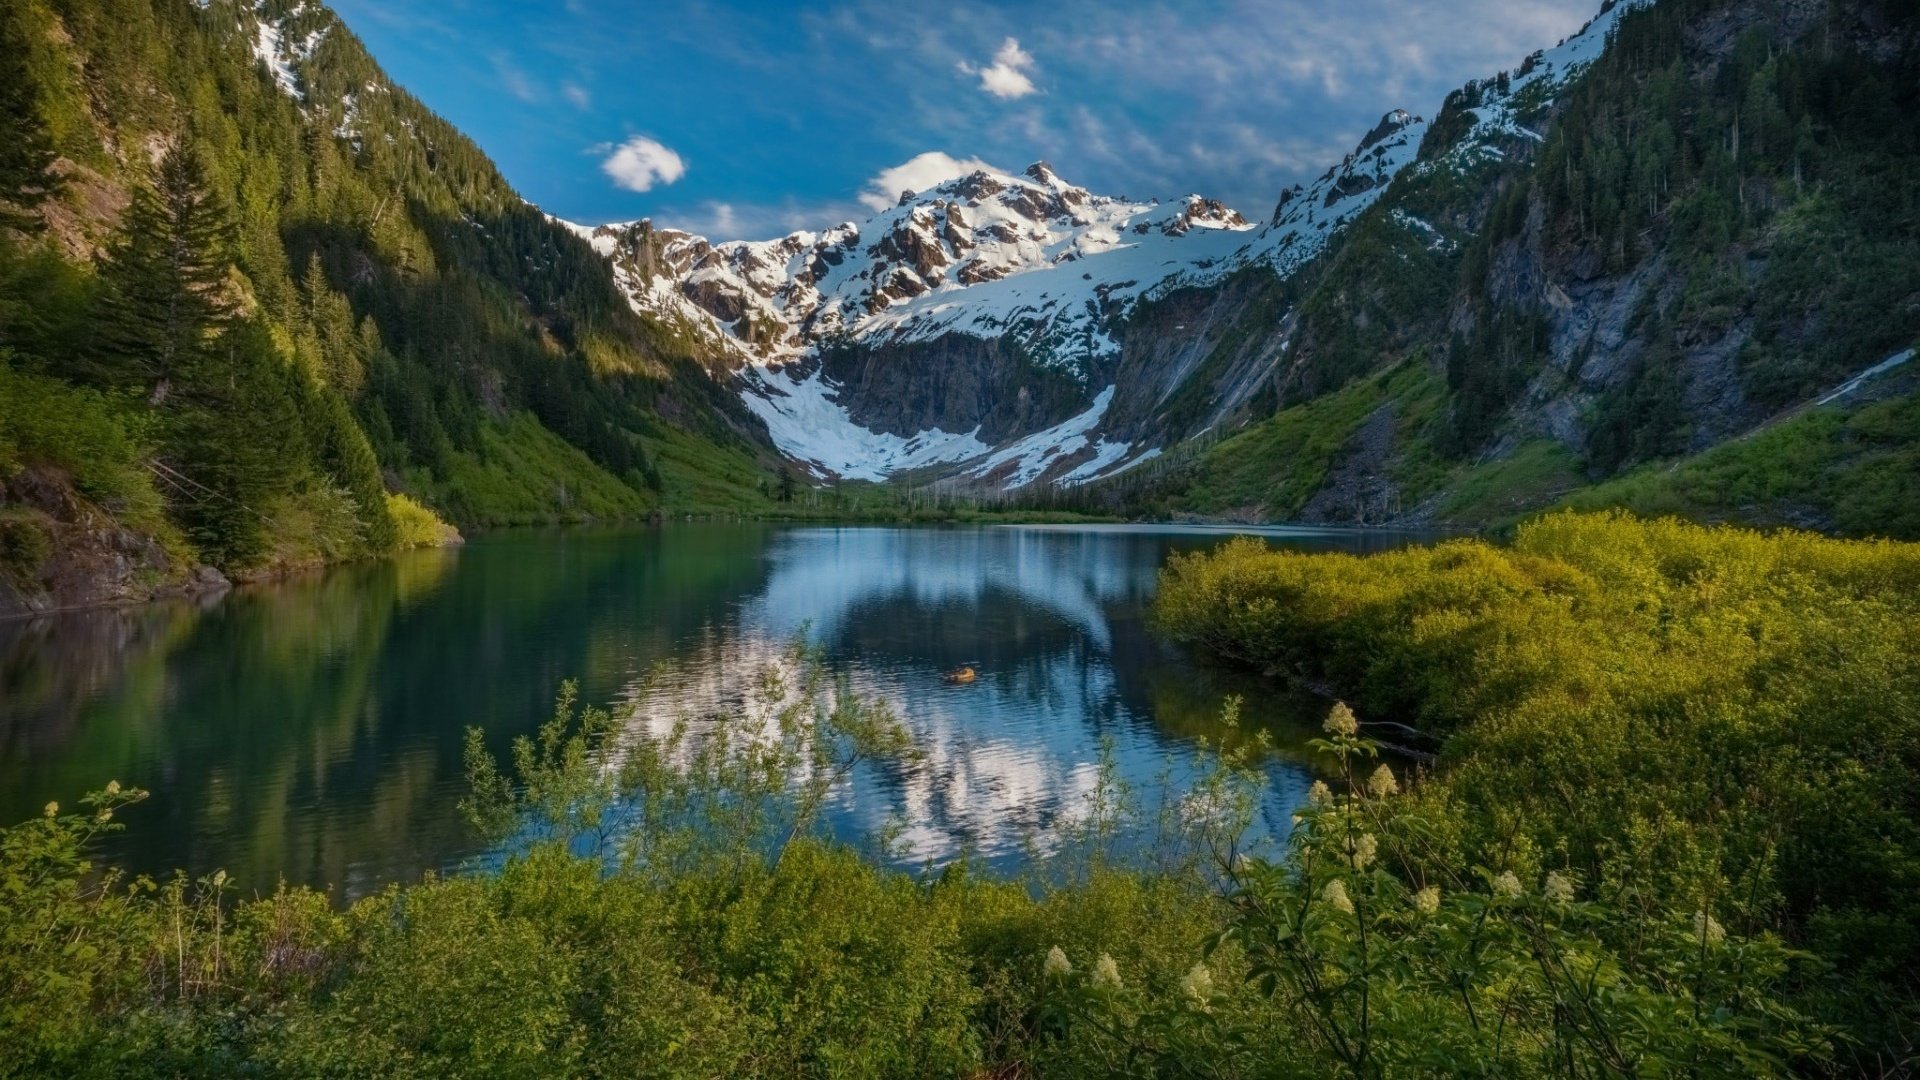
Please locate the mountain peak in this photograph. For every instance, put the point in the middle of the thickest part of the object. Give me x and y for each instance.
(1041, 172)
(1395, 120)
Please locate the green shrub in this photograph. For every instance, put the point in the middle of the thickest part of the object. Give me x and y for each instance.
(92, 437)
(24, 547)
(415, 526)
(1359, 953)
(1674, 711)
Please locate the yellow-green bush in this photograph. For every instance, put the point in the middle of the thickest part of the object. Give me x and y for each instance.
(806, 959)
(416, 526)
(1671, 709)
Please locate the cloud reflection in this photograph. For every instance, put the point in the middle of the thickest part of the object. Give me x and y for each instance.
(1009, 760)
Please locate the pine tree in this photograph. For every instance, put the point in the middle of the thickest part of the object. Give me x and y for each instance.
(234, 445)
(342, 364)
(168, 293)
(342, 449)
(26, 149)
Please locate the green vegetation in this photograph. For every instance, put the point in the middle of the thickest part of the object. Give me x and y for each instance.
(92, 438)
(415, 526)
(1276, 466)
(676, 910)
(525, 474)
(1498, 490)
(1668, 711)
(283, 305)
(1855, 472)
(1271, 470)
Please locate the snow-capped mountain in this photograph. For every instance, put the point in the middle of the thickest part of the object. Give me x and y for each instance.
(981, 326)
(1029, 260)
(970, 255)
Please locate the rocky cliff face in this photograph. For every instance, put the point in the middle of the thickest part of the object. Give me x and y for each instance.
(1595, 305)
(59, 551)
(1667, 233)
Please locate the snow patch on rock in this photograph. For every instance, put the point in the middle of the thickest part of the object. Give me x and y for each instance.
(1022, 462)
(274, 46)
(1501, 110)
(812, 428)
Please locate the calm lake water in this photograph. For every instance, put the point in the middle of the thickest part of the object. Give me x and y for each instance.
(312, 730)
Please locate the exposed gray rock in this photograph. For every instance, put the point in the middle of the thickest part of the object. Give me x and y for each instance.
(62, 551)
(1716, 397)
(955, 383)
(1184, 348)
(1359, 487)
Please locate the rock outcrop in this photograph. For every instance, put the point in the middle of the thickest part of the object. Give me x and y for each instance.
(58, 550)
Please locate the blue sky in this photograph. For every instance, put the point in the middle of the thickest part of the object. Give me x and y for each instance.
(747, 119)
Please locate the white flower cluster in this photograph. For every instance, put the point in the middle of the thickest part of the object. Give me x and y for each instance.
(1559, 888)
(1707, 929)
(1382, 784)
(1361, 850)
(1056, 966)
(1198, 986)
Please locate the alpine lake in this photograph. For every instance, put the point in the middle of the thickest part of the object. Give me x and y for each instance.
(311, 731)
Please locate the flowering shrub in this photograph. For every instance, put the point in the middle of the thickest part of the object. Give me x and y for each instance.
(1673, 716)
(1356, 965)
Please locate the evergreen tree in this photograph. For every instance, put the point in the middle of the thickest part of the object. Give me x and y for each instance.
(342, 449)
(168, 293)
(26, 149)
(342, 361)
(233, 445)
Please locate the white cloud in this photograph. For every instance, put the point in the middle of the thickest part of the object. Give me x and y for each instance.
(1235, 99)
(1009, 76)
(577, 95)
(917, 174)
(718, 221)
(640, 164)
(516, 81)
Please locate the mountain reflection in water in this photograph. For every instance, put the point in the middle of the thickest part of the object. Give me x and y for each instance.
(311, 730)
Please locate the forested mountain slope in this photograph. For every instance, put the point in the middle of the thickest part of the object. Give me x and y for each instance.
(250, 286)
(1714, 226)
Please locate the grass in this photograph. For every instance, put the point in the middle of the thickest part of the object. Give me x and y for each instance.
(1274, 467)
(1530, 476)
(701, 478)
(1853, 473)
(526, 475)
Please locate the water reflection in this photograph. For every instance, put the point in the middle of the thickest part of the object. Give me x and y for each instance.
(1053, 620)
(312, 730)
